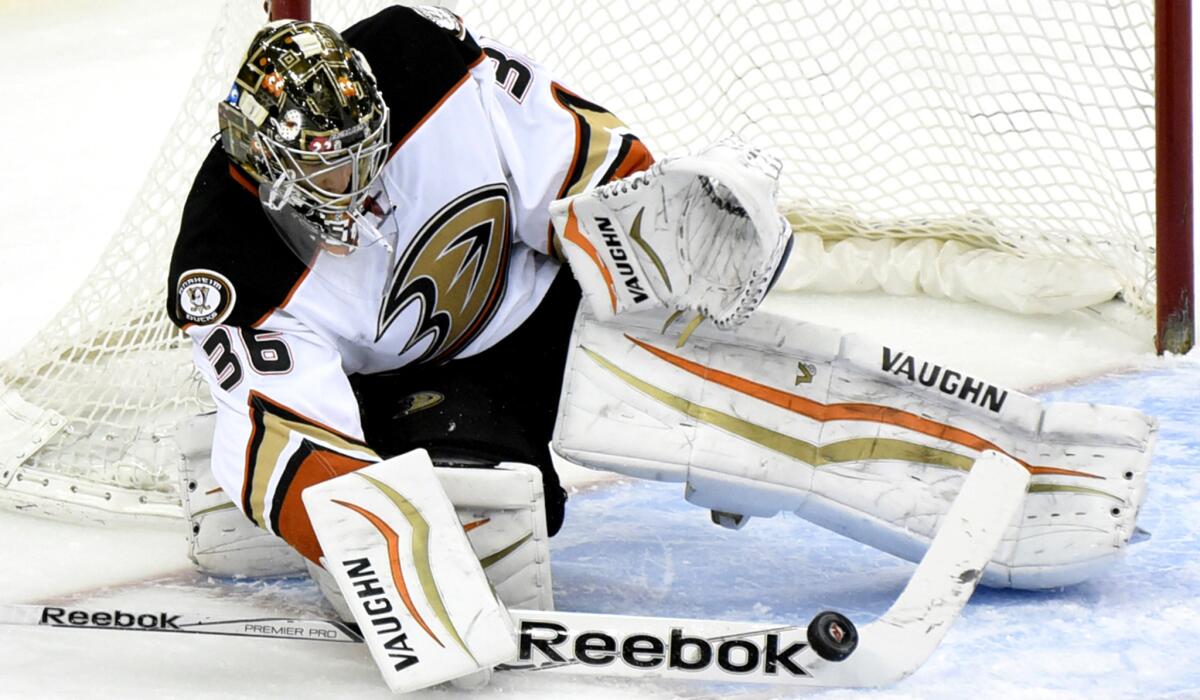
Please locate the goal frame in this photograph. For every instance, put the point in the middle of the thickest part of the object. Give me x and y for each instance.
(1174, 213)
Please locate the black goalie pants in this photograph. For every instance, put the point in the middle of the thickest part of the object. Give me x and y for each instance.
(497, 406)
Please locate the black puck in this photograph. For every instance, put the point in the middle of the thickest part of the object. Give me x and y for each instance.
(832, 635)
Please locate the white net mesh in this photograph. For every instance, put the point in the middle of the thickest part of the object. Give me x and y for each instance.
(110, 362)
(1034, 117)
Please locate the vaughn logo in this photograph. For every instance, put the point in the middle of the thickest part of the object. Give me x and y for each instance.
(947, 381)
(648, 651)
(620, 258)
(374, 600)
(203, 297)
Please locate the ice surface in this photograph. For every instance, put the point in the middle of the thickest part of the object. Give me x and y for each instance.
(637, 548)
(89, 90)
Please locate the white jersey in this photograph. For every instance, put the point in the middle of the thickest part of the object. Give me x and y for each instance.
(461, 254)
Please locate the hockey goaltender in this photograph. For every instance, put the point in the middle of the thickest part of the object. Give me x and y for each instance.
(372, 267)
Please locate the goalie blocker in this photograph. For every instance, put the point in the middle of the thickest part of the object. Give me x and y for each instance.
(865, 439)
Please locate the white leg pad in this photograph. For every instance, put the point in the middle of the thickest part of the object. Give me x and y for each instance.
(859, 437)
(503, 509)
(503, 512)
(398, 553)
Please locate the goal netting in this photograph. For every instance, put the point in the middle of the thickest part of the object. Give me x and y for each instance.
(1017, 137)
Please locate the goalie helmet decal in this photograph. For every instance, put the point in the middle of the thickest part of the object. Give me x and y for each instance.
(305, 119)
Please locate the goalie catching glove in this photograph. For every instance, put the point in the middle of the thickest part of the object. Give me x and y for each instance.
(693, 232)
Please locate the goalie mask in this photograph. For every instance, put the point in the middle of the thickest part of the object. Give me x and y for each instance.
(305, 119)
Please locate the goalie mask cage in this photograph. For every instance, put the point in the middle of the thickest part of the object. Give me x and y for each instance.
(1039, 118)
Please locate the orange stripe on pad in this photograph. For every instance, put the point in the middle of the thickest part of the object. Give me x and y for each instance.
(393, 546)
(573, 235)
(845, 411)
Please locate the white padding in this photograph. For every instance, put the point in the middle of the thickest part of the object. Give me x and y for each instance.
(24, 429)
(946, 269)
(504, 513)
(862, 438)
(502, 507)
(696, 232)
(222, 541)
(502, 510)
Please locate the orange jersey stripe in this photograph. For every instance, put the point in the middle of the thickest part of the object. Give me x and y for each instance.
(242, 180)
(318, 464)
(294, 526)
(637, 160)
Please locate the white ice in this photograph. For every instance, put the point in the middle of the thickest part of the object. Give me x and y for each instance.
(88, 91)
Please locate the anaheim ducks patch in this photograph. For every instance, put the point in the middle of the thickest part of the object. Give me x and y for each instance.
(204, 297)
(455, 271)
(443, 18)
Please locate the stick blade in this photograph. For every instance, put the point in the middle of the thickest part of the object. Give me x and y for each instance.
(896, 645)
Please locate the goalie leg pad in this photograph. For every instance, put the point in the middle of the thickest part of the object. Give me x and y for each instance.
(861, 438)
(398, 553)
(501, 510)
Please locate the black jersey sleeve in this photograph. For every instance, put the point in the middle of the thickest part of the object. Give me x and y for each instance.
(418, 55)
(229, 265)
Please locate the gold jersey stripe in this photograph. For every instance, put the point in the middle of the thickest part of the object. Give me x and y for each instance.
(273, 426)
(591, 162)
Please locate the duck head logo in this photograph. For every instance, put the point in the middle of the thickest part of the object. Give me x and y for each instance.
(455, 271)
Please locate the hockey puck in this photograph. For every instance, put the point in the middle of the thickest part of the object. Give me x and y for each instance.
(832, 635)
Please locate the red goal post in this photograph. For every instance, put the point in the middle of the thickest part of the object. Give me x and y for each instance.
(290, 9)
(1176, 300)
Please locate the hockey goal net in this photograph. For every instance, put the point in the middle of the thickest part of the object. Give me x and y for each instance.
(1020, 131)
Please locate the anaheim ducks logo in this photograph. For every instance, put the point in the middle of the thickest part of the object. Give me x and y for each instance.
(455, 270)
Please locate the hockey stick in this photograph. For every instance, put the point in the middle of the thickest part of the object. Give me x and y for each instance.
(888, 649)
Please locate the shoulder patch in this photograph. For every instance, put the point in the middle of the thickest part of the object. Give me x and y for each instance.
(443, 18)
(204, 297)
